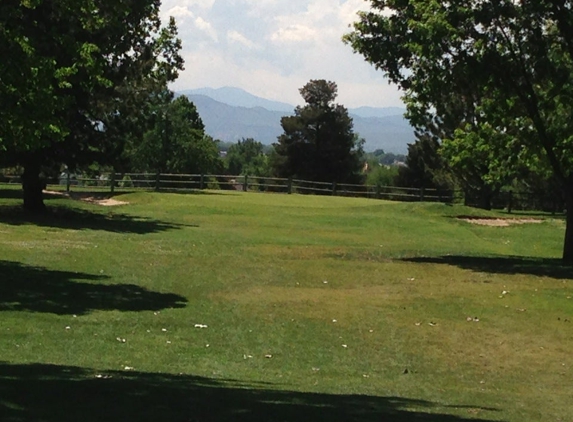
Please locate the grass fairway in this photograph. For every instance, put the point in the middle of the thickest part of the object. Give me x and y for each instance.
(260, 307)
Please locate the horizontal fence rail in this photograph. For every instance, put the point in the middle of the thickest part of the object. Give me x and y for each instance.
(111, 182)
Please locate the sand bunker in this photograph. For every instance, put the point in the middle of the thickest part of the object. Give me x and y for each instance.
(102, 200)
(499, 222)
(106, 202)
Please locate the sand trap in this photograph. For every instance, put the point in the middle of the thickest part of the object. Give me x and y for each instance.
(106, 202)
(103, 201)
(499, 222)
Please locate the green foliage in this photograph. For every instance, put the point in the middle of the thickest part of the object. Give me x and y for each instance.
(318, 142)
(247, 157)
(388, 159)
(381, 175)
(126, 182)
(78, 81)
(493, 78)
(424, 166)
(224, 146)
(177, 142)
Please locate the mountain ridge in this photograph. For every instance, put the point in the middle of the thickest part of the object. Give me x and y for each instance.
(249, 116)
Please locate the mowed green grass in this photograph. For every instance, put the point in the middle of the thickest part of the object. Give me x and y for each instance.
(232, 306)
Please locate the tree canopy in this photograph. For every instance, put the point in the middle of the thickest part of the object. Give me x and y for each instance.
(79, 75)
(247, 157)
(318, 142)
(493, 76)
(176, 141)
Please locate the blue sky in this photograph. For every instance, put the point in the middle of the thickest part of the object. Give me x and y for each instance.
(271, 48)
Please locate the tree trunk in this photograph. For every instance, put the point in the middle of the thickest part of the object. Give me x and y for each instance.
(484, 197)
(33, 186)
(568, 244)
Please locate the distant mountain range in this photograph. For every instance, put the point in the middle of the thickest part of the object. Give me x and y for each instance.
(230, 114)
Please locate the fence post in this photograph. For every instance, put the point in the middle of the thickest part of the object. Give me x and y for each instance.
(333, 188)
(157, 179)
(246, 183)
(289, 185)
(510, 202)
(378, 191)
(202, 183)
(68, 181)
(112, 181)
(422, 194)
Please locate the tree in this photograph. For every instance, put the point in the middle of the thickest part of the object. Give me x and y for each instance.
(509, 63)
(247, 157)
(78, 76)
(318, 142)
(381, 175)
(177, 142)
(425, 167)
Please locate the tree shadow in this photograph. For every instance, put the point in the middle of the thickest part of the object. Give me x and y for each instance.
(64, 217)
(222, 192)
(11, 193)
(37, 289)
(537, 214)
(53, 393)
(543, 267)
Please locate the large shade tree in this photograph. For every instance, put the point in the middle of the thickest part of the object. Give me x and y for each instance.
(76, 78)
(176, 141)
(318, 142)
(247, 157)
(509, 62)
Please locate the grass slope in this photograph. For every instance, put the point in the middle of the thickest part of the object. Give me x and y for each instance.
(315, 308)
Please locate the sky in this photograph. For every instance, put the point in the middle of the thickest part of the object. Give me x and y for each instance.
(271, 48)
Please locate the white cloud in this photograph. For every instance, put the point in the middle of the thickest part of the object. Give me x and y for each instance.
(179, 12)
(294, 33)
(207, 28)
(273, 47)
(236, 37)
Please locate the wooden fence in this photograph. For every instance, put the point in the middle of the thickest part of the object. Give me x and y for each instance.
(112, 182)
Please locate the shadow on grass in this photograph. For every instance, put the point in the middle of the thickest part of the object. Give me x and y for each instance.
(10, 193)
(36, 289)
(544, 267)
(222, 192)
(80, 219)
(538, 214)
(105, 193)
(64, 394)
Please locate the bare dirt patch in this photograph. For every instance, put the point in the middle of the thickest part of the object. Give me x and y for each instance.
(102, 200)
(499, 222)
(106, 202)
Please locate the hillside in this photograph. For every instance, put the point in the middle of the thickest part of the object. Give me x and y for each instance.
(231, 114)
